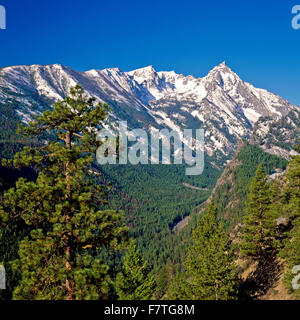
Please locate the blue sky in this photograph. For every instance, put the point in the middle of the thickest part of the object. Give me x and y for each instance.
(189, 36)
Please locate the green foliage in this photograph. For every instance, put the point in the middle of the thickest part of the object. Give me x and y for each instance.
(178, 288)
(297, 147)
(13, 232)
(154, 200)
(258, 239)
(164, 278)
(10, 141)
(58, 259)
(40, 217)
(231, 193)
(210, 270)
(134, 282)
(291, 208)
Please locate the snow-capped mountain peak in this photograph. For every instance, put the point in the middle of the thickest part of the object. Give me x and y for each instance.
(221, 102)
(223, 76)
(144, 74)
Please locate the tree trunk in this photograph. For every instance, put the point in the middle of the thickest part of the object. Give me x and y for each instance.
(217, 287)
(69, 287)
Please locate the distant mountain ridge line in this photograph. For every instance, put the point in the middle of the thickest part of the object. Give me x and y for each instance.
(221, 102)
(134, 73)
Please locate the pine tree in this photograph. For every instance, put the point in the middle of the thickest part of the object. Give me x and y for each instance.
(134, 282)
(179, 288)
(292, 189)
(163, 279)
(291, 206)
(259, 231)
(58, 260)
(210, 269)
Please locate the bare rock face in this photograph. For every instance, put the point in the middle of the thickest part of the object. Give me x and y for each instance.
(228, 108)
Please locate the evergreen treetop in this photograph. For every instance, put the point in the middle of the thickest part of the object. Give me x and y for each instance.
(58, 260)
(258, 238)
(134, 282)
(210, 269)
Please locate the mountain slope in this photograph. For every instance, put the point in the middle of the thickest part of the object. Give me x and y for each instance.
(221, 103)
(232, 188)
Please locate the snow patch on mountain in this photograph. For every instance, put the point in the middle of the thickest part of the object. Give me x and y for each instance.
(221, 102)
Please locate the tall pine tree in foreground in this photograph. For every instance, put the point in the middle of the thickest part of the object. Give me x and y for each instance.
(134, 282)
(210, 268)
(258, 240)
(58, 260)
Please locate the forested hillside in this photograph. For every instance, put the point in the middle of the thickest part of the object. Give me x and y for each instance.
(62, 213)
(258, 257)
(233, 186)
(154, 200)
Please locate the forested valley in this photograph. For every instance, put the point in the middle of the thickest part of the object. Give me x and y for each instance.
(71, 229)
